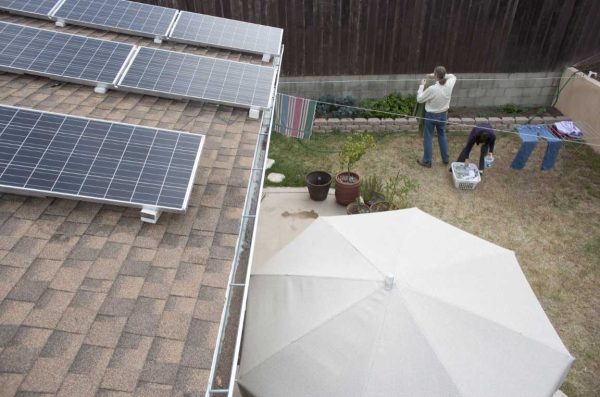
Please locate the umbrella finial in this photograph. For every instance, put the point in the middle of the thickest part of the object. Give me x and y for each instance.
(389, 282)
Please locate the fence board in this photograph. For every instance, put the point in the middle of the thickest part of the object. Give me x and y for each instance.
(364, 37)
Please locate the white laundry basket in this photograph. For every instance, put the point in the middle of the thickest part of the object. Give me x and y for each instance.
(465, 183)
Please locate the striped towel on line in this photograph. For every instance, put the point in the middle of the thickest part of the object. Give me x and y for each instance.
(294, 116)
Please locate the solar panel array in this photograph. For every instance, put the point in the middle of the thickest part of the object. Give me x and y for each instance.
(61, 155)
(36, 8)
(180, 75)
(60, 55)
(156, 22)
(118, 15)
(202, 29)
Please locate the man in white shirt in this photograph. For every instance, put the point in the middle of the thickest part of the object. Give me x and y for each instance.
(437, 101)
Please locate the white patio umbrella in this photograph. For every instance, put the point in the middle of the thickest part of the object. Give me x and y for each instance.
(459, 320)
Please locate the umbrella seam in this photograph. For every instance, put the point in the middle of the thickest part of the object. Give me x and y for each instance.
(327, 320)
(474, 314)
(362, 254)
(433, 349)
(374, 350)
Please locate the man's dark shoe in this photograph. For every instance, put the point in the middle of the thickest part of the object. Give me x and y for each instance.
(445, 162)
(423, 164)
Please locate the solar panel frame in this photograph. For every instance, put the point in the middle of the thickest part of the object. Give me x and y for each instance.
(49, 41)
(106, 200)
(181, 33)
(31, 8)
(66, 14)
(143, 58)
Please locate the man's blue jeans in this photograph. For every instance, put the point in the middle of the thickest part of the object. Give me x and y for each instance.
(435, 121)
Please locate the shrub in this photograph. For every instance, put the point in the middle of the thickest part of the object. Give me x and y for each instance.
(511, 108)
(391, 106)
(329, 109)
(355, 146)
(397, 190)
(371, 187)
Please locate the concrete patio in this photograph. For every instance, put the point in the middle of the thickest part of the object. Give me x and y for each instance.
(284, 214)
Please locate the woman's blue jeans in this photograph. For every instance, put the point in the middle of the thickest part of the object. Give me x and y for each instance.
(435, 121)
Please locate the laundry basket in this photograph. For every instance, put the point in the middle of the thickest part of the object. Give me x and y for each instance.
(462, 181)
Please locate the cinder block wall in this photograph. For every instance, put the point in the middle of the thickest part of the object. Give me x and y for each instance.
(490, 89)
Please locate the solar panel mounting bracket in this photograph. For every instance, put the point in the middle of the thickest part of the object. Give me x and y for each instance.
(254, 113)
(266, 58)
(150, 214)
(101, 89)
(158, 39)
(61, 23)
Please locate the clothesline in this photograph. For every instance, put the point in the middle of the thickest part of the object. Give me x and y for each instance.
(448, 122)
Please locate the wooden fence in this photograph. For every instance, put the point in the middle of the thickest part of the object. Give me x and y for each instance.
(366, 37)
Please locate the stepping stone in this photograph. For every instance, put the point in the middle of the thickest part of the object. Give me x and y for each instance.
(275, 177)
(270, 163)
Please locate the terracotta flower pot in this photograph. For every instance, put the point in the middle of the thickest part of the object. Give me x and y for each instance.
(347, 187)
(318, 183)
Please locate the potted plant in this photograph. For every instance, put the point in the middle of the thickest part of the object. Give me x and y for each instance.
(347, 183)
(397, 192)
(318, 183)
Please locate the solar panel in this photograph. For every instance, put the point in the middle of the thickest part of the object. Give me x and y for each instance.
(179, 75)
(212, 31)
(119, 16)
(60, 55)
(32, 8)
(66, 156)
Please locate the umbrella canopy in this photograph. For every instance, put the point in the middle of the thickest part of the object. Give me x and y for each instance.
(458, 319)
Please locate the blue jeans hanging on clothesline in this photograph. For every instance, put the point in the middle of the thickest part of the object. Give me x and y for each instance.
(529, 136)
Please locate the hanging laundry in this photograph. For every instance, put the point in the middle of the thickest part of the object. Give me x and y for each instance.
(529, 135)
(567, 130)
(294, 116)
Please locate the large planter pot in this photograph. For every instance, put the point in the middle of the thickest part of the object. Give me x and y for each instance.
(318, 183)
(347, 187)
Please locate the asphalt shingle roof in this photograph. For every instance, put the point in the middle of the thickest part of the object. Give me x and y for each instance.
(93, 302)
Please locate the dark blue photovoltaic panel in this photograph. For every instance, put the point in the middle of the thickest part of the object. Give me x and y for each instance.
(96, 160)
(118, 15)
(180, 75)
(218, 32)
(70, 57)
(34, 8)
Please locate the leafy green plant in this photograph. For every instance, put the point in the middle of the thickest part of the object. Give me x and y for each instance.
(327, 107)
(541, 111)
(391, 106)
(355, 146)
(371, 187)
(511, 108)
(397, 190)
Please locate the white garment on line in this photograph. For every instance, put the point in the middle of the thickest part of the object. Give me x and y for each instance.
(437, 97)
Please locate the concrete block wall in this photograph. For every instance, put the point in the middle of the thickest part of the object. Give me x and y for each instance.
(472, 89)
(411, 124)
